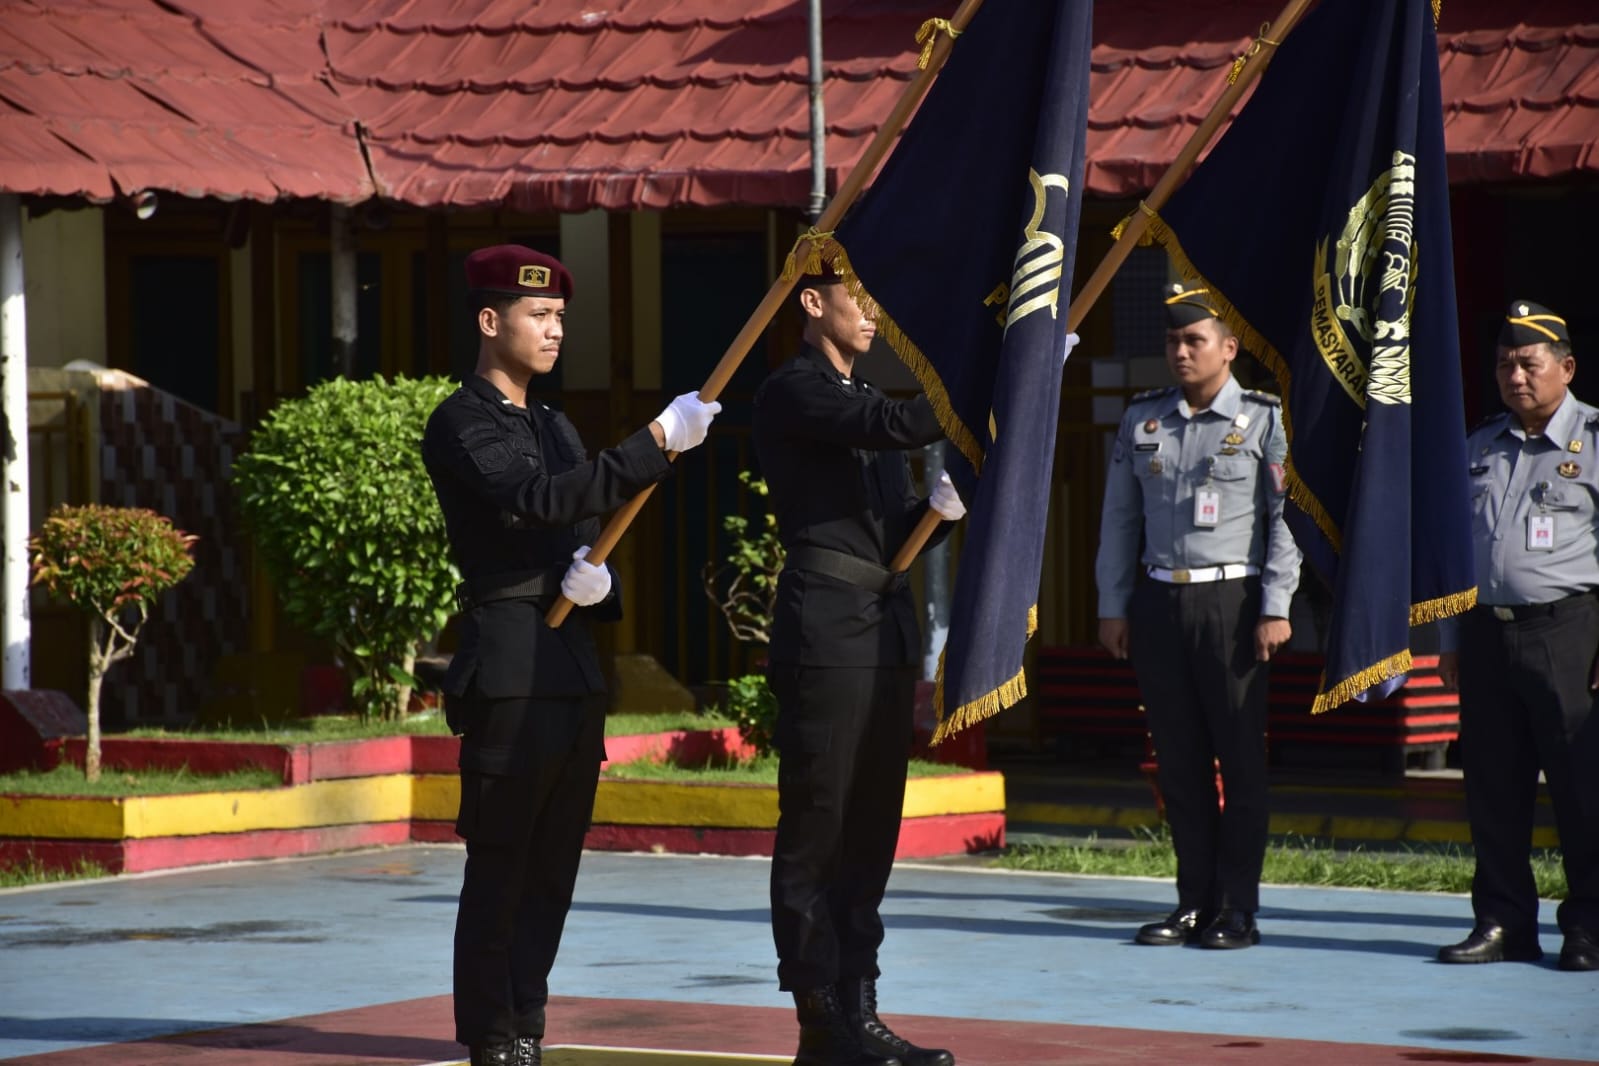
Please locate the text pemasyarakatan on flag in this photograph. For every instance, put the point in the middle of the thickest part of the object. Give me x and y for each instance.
(962, 252)
(1321, 220)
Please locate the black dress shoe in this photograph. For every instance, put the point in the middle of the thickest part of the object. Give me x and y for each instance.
(1181, 926)
(1580, 951)
(1231, 929)
(1492, 943)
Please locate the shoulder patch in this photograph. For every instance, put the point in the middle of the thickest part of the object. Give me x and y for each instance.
(1150, 394)
(1268, 398)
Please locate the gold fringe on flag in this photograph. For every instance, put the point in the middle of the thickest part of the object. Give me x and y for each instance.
(1437, 10)
(1443, 607)
(927, 37)
(1359, 682)
(985, 706)
(959, 434)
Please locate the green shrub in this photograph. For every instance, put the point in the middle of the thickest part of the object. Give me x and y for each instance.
(744, 584)
(112, 562)
(334, 491)
(753, 708)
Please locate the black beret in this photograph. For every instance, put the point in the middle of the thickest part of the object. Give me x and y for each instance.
(515, 270)
(1529, 323)
(1184, 307)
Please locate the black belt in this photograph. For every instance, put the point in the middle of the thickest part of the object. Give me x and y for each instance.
(852, 569)
(1521, 612)
(516, 585)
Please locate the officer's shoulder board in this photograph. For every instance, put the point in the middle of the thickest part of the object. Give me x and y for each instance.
(1494, 419)
(1270, 399)
(1151, 394)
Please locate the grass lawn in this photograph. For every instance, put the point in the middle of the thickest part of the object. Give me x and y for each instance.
(32, 873)
(69, 781)
(758, 771)
(426, 723)
(1299, 862)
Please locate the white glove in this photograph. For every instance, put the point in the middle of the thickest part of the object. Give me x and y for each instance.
(585, 584)
(946, 501)
(685, 421)
(1072, 340)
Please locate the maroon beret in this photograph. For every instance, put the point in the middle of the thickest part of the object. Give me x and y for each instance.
(516, 270)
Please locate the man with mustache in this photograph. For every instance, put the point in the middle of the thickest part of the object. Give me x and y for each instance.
(842, 664)
(1524, 657)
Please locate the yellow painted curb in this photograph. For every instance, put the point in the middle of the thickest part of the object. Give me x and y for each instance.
(62, 817)
(927, 797)
(352, 801)
(662, 803)
(435, 797)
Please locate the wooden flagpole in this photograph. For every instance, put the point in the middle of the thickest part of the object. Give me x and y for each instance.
(783, 286)
(1253, 61)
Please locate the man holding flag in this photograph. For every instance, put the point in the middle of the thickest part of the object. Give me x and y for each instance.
(960, 258)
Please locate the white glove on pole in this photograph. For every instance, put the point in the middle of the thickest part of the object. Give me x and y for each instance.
(685, 422)
(585, 584)
(1072, 340)
(946, 501)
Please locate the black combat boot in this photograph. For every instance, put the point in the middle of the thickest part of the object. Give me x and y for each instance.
(859, 996)
(826, 1037)
(529, 1051)
(492, 1055)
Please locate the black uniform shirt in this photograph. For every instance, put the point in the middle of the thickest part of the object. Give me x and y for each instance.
(831, 449)
(518, 495)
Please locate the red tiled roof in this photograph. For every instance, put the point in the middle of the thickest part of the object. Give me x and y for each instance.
(569, 105)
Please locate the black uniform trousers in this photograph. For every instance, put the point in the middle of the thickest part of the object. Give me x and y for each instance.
(843, 736)
(1525, 705)
(529, 770)
(1193, 650)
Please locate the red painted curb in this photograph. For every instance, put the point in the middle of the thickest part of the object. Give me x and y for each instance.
(685, 747)
(165, 853)
(919, 838)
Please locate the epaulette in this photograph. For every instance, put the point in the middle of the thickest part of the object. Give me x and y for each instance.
(1500, 415)
(1269, 398)
(1150, 394)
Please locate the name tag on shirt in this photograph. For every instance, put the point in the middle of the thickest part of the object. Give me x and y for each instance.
(1207, 508)
(1540, 532)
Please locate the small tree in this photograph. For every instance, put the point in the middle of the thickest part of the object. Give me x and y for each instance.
(334, 491)
(112, 562)
(744, 586)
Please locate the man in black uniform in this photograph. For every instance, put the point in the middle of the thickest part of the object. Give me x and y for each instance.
(520, 501)
(842, 665)
(1524, 657)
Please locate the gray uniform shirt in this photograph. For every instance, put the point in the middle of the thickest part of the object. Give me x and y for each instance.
(1165, 455)
(1533, 514)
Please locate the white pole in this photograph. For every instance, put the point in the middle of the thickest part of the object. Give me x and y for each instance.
(14, 382)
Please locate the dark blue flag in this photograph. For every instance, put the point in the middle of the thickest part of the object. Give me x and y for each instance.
(1321, 220)
(962, 252)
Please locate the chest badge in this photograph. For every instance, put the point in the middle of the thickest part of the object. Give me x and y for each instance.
(1155, 466)
(1229, 451)
(1574, 447)
(1233, 438)
(1151, 425)
(1568, 469)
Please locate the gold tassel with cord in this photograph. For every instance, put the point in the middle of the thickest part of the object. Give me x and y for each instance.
(1437, 10)
(927, 37)
(1359, 682)
(813, 239)
(959, 434)
(986, 705)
